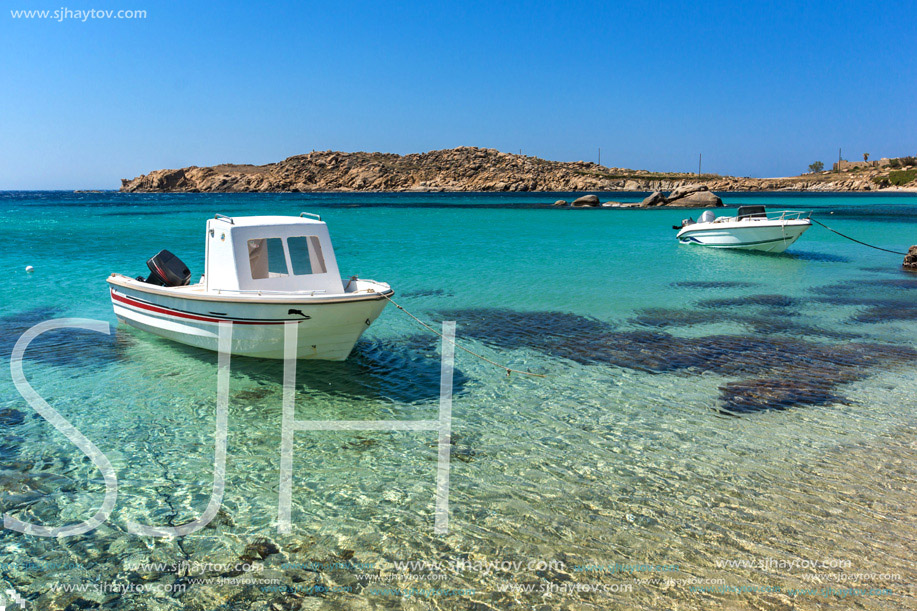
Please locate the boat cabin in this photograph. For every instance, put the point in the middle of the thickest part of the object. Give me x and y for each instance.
(267, 254)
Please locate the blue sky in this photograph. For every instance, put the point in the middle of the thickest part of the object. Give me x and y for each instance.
(761, 89)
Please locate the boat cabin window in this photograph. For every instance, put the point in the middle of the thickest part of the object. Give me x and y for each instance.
(306, 255)
(266, 258)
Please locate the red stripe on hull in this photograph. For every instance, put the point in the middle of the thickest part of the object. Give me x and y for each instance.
(175, 313)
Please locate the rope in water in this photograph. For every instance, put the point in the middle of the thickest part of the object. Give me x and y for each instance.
(454, 343)
(895, 252)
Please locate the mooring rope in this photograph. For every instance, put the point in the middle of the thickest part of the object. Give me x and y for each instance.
(894, 252)
(460, 347)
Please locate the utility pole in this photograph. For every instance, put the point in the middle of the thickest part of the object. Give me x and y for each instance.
(700, 157)
(600, 155)
(838, 154)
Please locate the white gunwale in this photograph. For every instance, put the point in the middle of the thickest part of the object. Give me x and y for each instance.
(197, 292)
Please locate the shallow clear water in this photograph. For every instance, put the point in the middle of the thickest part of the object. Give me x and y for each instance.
(700, 410)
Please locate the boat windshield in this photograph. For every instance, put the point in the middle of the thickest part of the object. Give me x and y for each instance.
(268, 256)
(265, 255)
(751, 212)
(306, 255)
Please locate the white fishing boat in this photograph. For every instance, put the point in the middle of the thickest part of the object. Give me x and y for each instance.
(260, 273)
(752, 228)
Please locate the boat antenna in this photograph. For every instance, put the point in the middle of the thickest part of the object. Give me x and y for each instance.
(508, 370)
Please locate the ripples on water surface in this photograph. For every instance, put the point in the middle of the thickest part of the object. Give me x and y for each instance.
(717, 416)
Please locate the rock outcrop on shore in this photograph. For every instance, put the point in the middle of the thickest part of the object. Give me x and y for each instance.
(693, 196)
(910, 259)
(654, 199)
(462, 169)
(686, 196)
(586, 201)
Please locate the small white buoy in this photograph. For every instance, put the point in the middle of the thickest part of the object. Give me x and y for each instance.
(29, 269)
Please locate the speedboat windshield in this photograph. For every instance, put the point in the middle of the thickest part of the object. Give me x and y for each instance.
(751, 212)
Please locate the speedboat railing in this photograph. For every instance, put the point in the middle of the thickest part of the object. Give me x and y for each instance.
(778, 215)
(789, 215)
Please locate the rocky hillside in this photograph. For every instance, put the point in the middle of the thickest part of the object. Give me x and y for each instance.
(465, 169)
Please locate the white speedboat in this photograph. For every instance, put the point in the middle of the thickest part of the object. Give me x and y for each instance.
(260, 273)
(752, 228)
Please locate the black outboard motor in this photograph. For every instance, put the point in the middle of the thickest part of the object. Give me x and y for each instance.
(167, 270)
(684, 223)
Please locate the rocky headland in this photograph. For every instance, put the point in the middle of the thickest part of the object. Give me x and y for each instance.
(472, 169)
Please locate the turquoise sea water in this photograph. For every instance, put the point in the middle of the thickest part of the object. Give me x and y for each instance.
(718, 419)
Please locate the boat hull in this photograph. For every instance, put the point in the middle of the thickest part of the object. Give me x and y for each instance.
(772, 237)
(327, 331)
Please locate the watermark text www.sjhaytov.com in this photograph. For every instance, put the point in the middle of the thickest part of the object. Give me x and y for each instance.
(65, 14)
